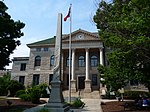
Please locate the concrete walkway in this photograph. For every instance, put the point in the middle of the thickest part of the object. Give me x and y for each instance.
(91, 105)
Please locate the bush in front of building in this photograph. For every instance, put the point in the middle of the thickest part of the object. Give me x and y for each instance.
(108, 95)
(30, 94)
(44, 93)
(14, 86)
(20, 92)
(4, 82)
(35, 94)
(77, 103)
(135, 94)
(25, 97)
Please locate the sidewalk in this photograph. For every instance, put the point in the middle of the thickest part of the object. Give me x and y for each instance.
(91, 105)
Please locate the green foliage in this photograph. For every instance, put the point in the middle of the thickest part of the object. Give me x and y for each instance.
(136, 94)
(32, 94)
(25, 97)
(4, 82)
(10, 31)
(20, 92)
(77, 103)
(35, 94)
(108, 96)
(124, 27)
(14, 86)
(28, 90)
(43, 90)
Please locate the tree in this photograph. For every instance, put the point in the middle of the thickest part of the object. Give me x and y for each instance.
(4, 82)
(124, 27)
(10, 31)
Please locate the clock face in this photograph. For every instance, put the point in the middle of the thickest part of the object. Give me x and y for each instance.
(80, 36)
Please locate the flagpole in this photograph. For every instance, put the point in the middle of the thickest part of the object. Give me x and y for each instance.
(69, 98)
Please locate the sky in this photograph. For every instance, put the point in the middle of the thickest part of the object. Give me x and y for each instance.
(40, 18)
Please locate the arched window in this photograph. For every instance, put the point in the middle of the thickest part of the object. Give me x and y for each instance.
(52, 60)
(94, 61)
(81, 61)
(37, 61)
(67, 62)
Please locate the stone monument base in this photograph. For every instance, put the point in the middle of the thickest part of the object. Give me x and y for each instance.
(57, 107)
(56, 100)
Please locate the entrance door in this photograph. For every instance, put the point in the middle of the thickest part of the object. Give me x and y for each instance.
(81, 83)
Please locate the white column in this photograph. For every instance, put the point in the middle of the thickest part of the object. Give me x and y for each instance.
(101, 56)
(73, 63)
(101, 62)
(87, 64)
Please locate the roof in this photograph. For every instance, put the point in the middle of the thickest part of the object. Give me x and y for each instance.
(51, 41)
(43, 42)
(95, 34)
(20, 59)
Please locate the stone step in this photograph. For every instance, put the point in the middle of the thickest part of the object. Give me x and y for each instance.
(82, 94)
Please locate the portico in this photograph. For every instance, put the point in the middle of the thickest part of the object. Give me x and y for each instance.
(84, 64)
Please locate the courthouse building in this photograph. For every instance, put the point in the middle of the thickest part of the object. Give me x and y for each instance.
(87, 53)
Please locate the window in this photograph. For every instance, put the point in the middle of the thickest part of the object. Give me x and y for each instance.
(23, 67)
(38, 49)
(36, 79)
(52, 60)
(94, 61)
(81, 61)
(67, 62)
(94, 80)
(37, 61)
(21, 79)
(50, 78)
(45, 49)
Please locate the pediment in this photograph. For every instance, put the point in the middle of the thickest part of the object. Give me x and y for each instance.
(81, 35)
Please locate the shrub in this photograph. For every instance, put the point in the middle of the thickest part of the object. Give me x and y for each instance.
(4, 82)
(25, 97)
(77, 103)
(43, 90)
(135, 94)
(108, 96)
(18, 93)
(35, 94)
(29, 90)
(14, 86)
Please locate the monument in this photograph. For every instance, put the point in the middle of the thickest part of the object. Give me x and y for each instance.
(56, 100)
